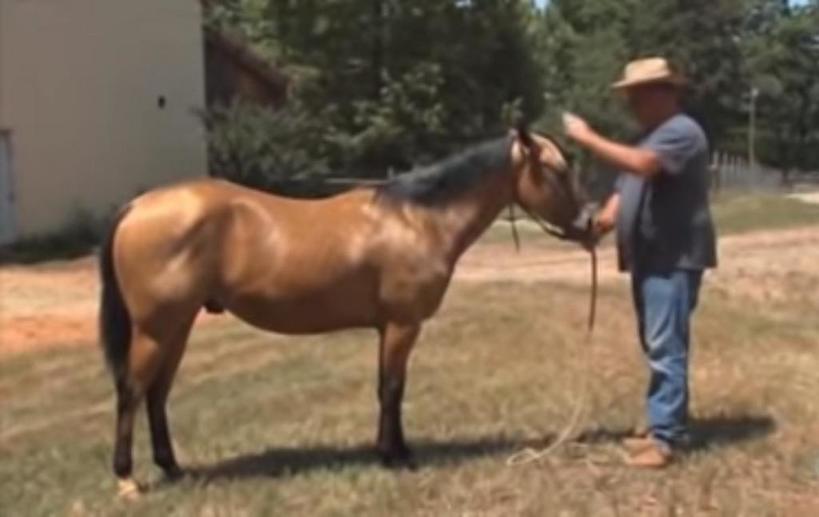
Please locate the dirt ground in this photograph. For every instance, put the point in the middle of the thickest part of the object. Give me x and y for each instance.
(54, 305)
(758, 265)
(807, 197)
(51, 305)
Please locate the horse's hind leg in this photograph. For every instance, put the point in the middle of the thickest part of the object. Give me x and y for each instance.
(127, 402)
(143, 363)
(157, 397)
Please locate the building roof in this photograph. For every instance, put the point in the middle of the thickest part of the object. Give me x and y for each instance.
(242, 54)
(248, 59)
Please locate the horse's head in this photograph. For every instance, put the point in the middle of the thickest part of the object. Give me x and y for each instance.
(547, 187)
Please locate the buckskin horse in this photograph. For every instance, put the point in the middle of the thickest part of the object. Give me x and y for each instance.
(377, 258)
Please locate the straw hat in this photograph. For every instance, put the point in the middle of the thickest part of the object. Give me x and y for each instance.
(649, 70)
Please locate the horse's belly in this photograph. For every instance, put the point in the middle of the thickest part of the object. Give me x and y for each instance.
(306, 316)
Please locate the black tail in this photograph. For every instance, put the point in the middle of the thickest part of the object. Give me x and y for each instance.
(114, 319)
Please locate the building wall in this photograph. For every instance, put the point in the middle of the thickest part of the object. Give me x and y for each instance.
(99, 97)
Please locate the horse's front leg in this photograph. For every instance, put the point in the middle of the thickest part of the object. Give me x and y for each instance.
(396, 345)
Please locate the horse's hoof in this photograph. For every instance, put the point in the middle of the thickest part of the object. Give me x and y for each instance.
(128, 489)
(174, 474)
(403, 460)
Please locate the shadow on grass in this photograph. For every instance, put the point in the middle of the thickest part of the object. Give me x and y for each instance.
(707, 432)
(276, 462)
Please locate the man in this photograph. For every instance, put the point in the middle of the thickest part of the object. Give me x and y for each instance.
(665, 237)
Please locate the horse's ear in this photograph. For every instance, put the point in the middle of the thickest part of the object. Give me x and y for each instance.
(523, 134)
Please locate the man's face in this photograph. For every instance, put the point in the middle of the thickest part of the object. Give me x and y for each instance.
(649, 102)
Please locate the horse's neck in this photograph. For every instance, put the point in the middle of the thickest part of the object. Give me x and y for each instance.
(468, 216)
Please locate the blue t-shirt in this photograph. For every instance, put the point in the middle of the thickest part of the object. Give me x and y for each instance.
(665, 222)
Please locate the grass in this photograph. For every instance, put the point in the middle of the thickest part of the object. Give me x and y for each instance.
(741, 214)
(281, 426)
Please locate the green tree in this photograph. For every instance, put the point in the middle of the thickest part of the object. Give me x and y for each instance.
(704, 38)
(272, 150)
(389, 84)
(784, 59)
(584, 46)
(584, 50)
(406, 82)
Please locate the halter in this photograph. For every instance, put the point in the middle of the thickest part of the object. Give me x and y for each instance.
(586, 218)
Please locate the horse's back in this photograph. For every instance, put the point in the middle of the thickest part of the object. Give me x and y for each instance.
(267, 258)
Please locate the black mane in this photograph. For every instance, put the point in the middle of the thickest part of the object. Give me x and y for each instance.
(445, 179)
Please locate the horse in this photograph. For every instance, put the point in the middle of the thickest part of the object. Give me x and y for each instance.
(378, 257)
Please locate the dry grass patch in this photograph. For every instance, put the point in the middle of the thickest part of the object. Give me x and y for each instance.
(274, 425)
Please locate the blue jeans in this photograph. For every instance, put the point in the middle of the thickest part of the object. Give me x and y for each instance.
(664, 303)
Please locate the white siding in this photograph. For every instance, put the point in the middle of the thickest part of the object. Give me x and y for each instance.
(80, 82)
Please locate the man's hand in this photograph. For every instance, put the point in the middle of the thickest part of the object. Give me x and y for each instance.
(606, 218)
(638, 161)
(604, 223)
(575, 127)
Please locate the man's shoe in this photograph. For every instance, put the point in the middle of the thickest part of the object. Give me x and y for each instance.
(641, 431)
(639, 443)
(654, 456)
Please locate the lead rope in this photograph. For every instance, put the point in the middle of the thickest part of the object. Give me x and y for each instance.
(513, 222)
(531, 454)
